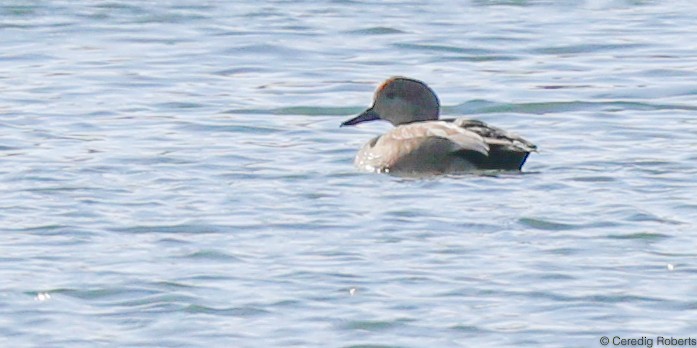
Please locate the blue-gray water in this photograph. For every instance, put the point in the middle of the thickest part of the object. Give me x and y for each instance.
(173, 175)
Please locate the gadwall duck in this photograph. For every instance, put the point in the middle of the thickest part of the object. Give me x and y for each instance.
(422, 144)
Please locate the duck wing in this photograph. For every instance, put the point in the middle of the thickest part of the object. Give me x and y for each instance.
(495, 137)
(507, 151)
(447, 133)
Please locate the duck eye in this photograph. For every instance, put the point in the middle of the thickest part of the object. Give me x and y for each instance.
(390, 95)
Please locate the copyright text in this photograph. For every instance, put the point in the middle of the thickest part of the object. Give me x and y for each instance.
(659, 341)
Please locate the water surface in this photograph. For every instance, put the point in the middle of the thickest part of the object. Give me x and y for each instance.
(174, 175)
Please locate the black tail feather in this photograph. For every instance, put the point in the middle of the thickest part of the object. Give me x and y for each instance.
(498, 158)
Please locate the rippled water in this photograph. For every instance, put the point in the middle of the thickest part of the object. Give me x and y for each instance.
(174, 175)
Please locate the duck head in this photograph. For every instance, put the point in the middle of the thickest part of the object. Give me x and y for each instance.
(400, 100)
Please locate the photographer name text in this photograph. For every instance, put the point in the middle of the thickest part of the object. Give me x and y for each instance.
(649, 342)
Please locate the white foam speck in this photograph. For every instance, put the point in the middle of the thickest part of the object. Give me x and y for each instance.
(42, 296)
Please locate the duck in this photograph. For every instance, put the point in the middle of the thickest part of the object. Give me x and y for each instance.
(421, 143)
